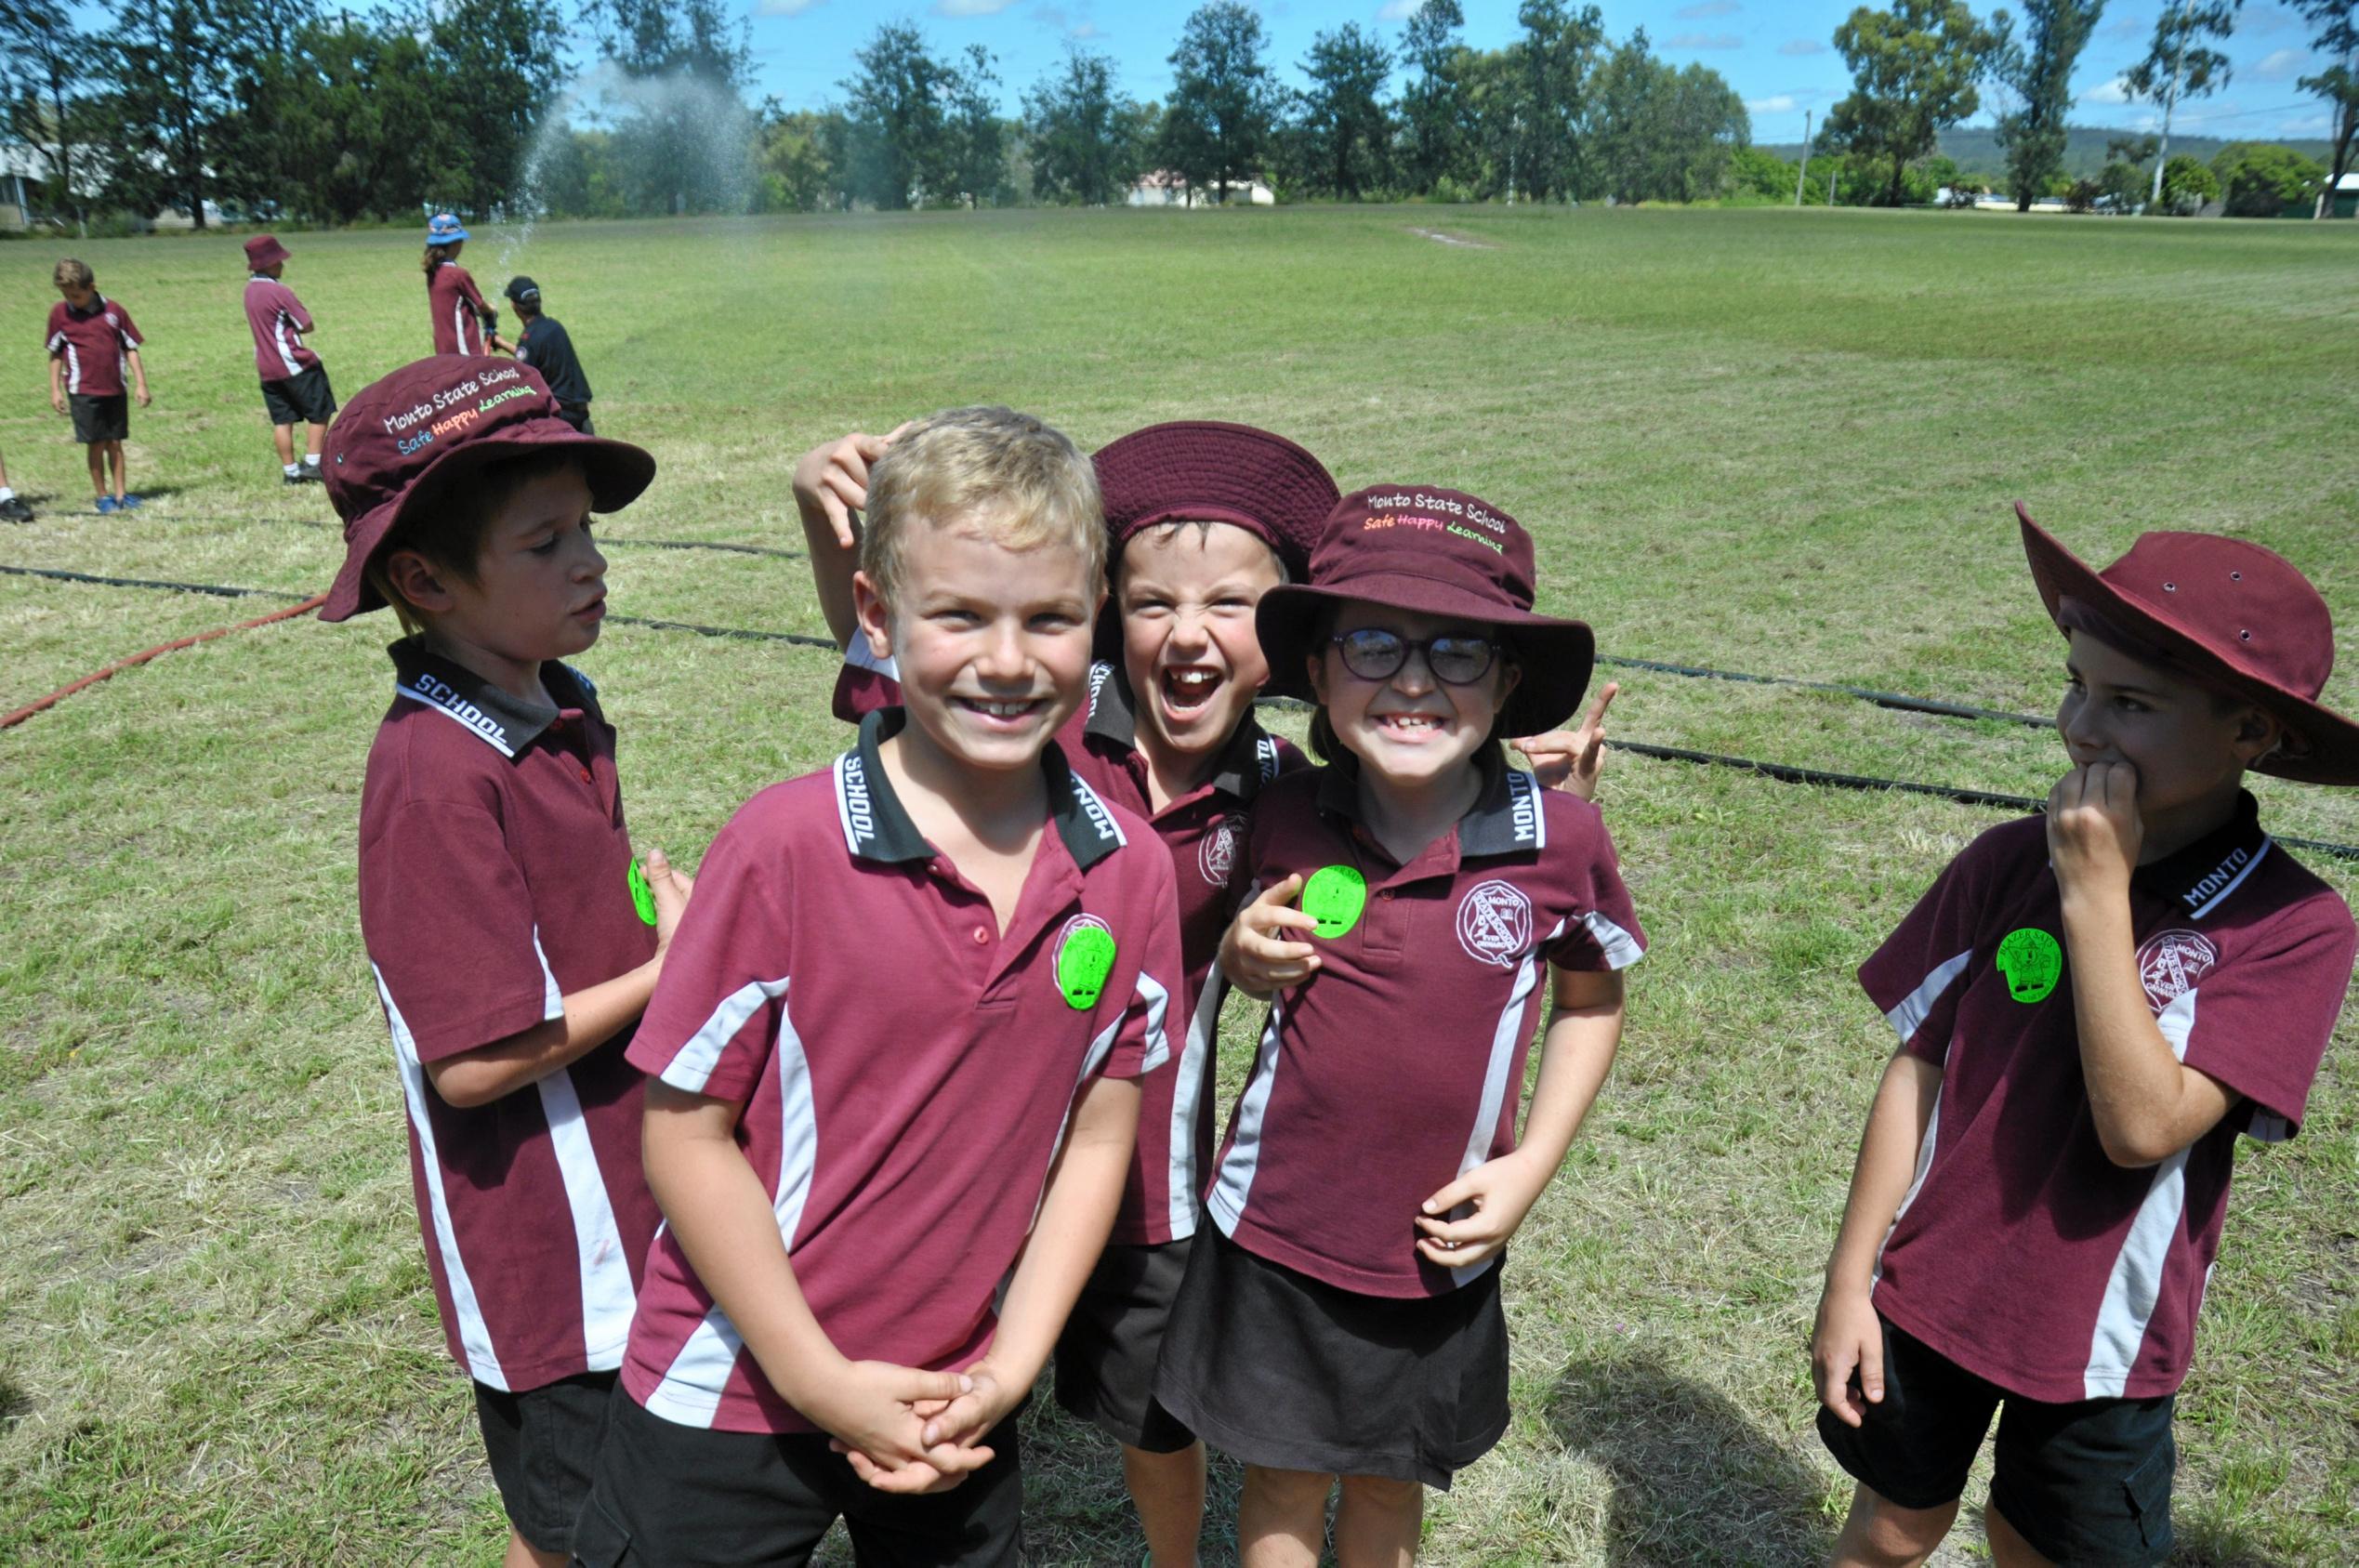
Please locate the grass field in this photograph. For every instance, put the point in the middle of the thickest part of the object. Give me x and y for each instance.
(1763, 440)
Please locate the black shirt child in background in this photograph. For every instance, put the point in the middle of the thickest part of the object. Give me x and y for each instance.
(542, 342)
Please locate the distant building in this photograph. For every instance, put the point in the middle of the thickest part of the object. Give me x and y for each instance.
(1161, 187)
(2346, 204)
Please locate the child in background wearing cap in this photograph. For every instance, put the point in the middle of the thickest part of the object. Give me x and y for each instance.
(897, 1048)
(92, 342)
(294, 384)
(513, 940)
(462, 322)
(542, 342)
(1204, 518)
(2092, 1007)
(1343, 1320)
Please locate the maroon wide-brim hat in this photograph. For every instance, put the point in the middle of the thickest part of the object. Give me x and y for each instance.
(2224, 611)
(404, 440)
(1194, 470)
(1438, 552)
(263, 250)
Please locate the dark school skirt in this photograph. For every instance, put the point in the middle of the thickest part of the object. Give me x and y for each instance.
(1287, 1372)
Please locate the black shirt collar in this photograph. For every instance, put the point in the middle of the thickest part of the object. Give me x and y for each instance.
(506, 723)
(1248, 761)
(98, 307)
(1506, 818)
(878, 827)
(2197, 880)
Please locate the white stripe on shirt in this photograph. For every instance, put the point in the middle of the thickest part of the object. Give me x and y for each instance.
(1187, 1098)
(2135, 1283)
(1504, 1036)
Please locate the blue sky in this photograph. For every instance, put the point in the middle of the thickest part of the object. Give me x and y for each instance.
(1777, 53)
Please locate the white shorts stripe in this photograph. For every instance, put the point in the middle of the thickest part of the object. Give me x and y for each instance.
(1227, 1199)
(1917, 1005)
(692, 1069)
(474, 1334)
(692, 1387)
(2135, 1283)
(1187, 1104)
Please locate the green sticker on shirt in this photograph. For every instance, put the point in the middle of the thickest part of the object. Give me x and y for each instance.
(643, 896)
(2032, 962)
(1085, 957)
(1334, 897)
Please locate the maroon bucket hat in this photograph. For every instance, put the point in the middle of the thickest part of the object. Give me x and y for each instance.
(2224, 611)
(405, 439)
(263, 250)
(1440, 552)
(1202, 469)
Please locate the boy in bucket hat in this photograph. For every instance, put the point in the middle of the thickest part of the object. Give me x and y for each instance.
(294, 384)
(1344, 1318)
(2092, 1007)
(513, 938)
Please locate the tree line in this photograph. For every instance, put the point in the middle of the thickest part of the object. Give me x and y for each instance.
(285, 112)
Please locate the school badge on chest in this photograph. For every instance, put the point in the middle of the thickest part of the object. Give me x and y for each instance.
(1217, 856)
(2172, 963)
(1495, 923)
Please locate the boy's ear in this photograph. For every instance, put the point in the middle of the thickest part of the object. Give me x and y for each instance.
(876, 617)
(2258, 734)
(417, 580)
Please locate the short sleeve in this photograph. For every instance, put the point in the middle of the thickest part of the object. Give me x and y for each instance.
(1142, 1037)
(448, 924)
(296, 311)
(56, 336)
(714, 1020)
(866, 683)
(2259, 1023)
(1917, 976)
(127, 329)
(1602, 927)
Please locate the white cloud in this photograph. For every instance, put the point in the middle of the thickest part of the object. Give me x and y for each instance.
(1084, 32)
(970, 7)
(786, 7)
(1801, 47)
(2114, 91)
(2307, 126)
(2278, 65)
(1398, 10)
(1776, 103)
(1706, 41)
(1707, 8)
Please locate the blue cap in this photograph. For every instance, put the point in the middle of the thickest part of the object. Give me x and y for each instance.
(443, 229)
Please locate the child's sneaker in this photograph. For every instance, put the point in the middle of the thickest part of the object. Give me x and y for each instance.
(13, 509)
(129, 503)
(293, 479)
(109, 504)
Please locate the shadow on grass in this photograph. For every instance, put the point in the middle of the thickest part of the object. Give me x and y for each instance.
(1694, 1479)
(15, 1403)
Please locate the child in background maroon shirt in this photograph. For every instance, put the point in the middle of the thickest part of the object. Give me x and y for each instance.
(93, 344)
(513, 941)
(2092, 1007)
(462, 322)
(1344, 1319)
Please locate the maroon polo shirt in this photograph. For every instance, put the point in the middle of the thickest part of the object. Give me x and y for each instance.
(905, 1070)
(1397, 1067)
(495, 880)
(278, 321)
(458, 310)
(2022, 1252)
(1203, 829)
(95, 345)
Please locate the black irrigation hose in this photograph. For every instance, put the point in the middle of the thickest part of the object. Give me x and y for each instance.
(1881, 699)
(1783, 772)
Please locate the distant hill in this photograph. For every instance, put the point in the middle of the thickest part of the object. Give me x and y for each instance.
(1976, 148)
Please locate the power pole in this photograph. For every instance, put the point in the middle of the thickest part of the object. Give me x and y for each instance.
(1803, 173)
(2170, 102)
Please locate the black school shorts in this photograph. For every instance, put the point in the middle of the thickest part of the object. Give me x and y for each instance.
(578, 415)
(304, 399)
(1107, 1355)
(2085, 1483)
(674, 1497)
(98, 419)
(543, 1444)
(1291, 1373)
